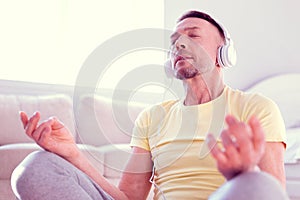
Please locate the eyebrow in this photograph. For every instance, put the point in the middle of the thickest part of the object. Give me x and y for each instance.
(191, 28)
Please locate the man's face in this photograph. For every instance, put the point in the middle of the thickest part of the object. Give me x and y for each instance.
(194, 46)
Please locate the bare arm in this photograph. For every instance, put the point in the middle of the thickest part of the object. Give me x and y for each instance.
(134, 183)
(135, 179)
(272, 161)
(53, 136)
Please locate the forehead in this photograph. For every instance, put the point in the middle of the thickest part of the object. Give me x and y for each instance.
(192, 23)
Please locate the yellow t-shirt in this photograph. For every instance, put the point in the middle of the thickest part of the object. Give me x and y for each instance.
(175, 135)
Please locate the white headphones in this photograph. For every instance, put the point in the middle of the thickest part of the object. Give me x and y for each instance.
(226, 54)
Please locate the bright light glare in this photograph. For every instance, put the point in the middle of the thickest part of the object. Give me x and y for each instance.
(48, 41)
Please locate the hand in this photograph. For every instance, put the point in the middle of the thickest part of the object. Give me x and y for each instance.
(51, 135)
(243, 145)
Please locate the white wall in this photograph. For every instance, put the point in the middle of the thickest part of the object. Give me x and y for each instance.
(266, 34)
(48, 40)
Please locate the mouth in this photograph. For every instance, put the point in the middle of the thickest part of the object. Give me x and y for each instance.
(181, 57)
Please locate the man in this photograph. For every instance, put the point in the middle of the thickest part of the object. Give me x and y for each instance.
(169, 138)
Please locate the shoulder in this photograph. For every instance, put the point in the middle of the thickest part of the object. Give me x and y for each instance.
(245, 104)
(242, 98)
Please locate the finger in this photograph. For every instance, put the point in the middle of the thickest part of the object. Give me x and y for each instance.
(231, 120)
(242, 135)
(32, 124)
(215, 151)
(231, 149)
(258, 134)
(228, 139)
(24, 118)
(56, 123)
(36, 135)
(45, 138)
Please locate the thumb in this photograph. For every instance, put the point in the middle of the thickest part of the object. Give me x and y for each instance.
(56, 123)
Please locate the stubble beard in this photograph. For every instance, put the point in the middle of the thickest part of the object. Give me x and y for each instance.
(187, 73)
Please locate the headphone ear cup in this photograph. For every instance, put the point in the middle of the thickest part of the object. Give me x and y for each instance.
(220, 57)
(168, 69)
(227, 55)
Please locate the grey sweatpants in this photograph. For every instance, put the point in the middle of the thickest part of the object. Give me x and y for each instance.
(46, 176)
(251, 186)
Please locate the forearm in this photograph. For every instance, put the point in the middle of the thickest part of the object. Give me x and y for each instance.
(278, 172)
(273, 161)
(82, 163)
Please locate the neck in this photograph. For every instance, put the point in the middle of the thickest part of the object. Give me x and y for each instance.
(202, 89)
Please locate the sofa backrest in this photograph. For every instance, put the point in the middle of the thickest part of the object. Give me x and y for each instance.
(12, 131)
(101, 121)
(93, 118)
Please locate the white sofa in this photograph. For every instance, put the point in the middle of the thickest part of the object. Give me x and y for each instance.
(98, 131)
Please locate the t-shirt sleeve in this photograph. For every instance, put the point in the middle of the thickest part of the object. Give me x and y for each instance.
(140, 131)
(269, 116)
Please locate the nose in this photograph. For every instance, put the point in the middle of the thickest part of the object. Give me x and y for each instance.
(181, 46)
(181, 43)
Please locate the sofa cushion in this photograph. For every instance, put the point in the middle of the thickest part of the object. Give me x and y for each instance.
(6, 192)
(101, 121)
(49, 105)
(12, 154)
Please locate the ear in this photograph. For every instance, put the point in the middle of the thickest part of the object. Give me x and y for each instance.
(216, 63)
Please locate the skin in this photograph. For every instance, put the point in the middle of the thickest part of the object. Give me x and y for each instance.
(203, 82)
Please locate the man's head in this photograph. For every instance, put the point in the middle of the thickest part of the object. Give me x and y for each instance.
(195, 44)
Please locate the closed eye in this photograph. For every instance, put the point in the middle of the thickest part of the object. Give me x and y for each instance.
(194, 35)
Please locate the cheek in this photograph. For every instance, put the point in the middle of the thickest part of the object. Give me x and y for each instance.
(206, 52)
(213, 53)
(212, 49)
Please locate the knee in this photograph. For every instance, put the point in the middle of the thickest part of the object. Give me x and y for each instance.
(256, 180)
(31, 171)
(251, 185)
